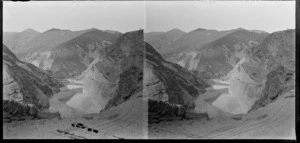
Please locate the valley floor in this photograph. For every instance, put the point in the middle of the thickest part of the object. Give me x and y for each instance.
(275, 121)
(113, 124)
(128, 120)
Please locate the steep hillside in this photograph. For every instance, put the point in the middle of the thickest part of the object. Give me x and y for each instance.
(114, 76)
(277, 55)
(194, 40)
(161, 40)
(26, 88)
(72, 57)
(171, 89)
(14, 40)
(267, 72)
(47, 40)
(217, 58)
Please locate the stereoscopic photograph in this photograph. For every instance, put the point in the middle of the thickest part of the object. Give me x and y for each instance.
(149, 70)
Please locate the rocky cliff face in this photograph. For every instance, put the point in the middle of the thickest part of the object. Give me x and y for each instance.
(217, 58)
(277, 56)
(72, 57)
(114, 76)
(267, 72)
(168, 86)
(26, 88)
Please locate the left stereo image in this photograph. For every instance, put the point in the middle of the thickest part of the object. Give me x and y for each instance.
(73, 70)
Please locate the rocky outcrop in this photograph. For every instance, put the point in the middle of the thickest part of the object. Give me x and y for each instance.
(25, 87)
(114, 76)
(168, 85)
(278, 82)
(277, 55)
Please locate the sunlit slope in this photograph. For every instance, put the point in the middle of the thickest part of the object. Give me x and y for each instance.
(128, 120)
(274, 121)
(114, 76)
(262, 76)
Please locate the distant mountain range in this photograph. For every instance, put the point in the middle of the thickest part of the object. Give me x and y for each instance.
(14, 40)
(30, 40)
(162, 40)
(172, 70)
(217, 58)
(65, 53)
(208, 53)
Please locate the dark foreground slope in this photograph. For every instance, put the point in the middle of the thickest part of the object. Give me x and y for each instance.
(26, 89)
(171, 89)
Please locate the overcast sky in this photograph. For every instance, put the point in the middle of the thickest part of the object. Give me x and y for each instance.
(187, 16)
(159, 16)
(73, 15)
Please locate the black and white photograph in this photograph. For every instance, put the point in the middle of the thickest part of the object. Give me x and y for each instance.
(204, 69)
(220, 70)
(73, 70)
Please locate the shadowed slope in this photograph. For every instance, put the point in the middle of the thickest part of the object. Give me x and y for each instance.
(170, 88)
(114, 76)
(25, 86)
